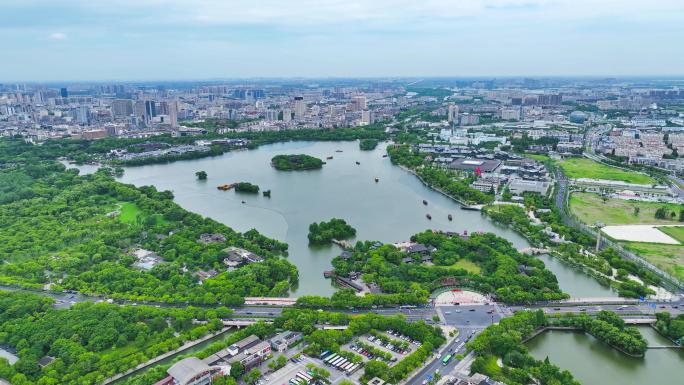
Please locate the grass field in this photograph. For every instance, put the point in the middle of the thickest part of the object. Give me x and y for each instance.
(586, 168)
(467, 265)
(590, 208)
(675, 232)
(129, 211)
(537, 157)
(667, 257)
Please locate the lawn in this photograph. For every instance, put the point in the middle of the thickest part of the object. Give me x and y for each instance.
(590, 208)
(537, 157)
(586, 168)
(675, 232)
(129, 211)
(467, 265)
(667, 257)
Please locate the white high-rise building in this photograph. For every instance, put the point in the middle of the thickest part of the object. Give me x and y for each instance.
(287, 115)
(367, 118)
(359, 103)
(452, 114)
(173, 113)
(299, 108)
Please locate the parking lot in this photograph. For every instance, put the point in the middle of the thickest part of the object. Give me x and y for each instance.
(394, 344)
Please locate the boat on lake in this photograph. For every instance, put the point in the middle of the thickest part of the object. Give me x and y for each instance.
(424, 202)
(357, 162)
(428, 216)
(225, 187)
(338, 150)
(450, 217)
(243, 202)
(384, 156)
(377, 179)
(330, 157)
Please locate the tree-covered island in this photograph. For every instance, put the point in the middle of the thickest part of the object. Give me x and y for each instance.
(295, 162)
(325, 232)
(246, 187)
(368, 144)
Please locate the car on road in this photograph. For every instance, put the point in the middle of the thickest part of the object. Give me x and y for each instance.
(471, 309)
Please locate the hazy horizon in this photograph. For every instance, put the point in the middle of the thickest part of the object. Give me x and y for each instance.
(157, 40)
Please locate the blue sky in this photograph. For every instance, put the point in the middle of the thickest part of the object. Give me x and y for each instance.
(203, 39)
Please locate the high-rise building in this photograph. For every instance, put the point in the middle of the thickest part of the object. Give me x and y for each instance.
(287, 115)
(150, 109)
(452, 113)
(63, 92)
(140, 115)
(83, 115)
(367, 117)
(173, 113)
(122, 108)
(271, 115)
(299, 108)
(359, 103)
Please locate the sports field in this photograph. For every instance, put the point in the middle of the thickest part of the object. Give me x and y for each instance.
(586, 168)
(590, 208)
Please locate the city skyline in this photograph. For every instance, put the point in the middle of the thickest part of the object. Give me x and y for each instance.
(164, 40)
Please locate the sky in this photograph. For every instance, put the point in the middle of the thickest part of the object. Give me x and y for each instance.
(94, 40)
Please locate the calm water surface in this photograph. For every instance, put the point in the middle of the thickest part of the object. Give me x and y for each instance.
(594, 363)
(389, 211)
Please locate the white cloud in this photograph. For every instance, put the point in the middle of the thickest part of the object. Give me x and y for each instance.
(57, 36)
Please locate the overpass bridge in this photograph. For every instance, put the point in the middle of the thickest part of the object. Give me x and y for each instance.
(270, 301)
(243, 323)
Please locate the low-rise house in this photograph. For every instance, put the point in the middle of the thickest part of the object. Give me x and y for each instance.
(520, 186)
(193, 371)
(237, 256)
(45, 361)
(146, 259)
(419, 248)
(283, 341)
(211, 238)
(204, 275)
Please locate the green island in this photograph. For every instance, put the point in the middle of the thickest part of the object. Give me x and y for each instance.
(246, 187)
(671, 327)
(325, 232)
(368, 144)
(296, 162)
(404, 278)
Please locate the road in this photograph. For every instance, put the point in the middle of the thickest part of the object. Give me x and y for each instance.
(469, 320)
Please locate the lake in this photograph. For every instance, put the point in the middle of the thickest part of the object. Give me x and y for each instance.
(390, 210)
